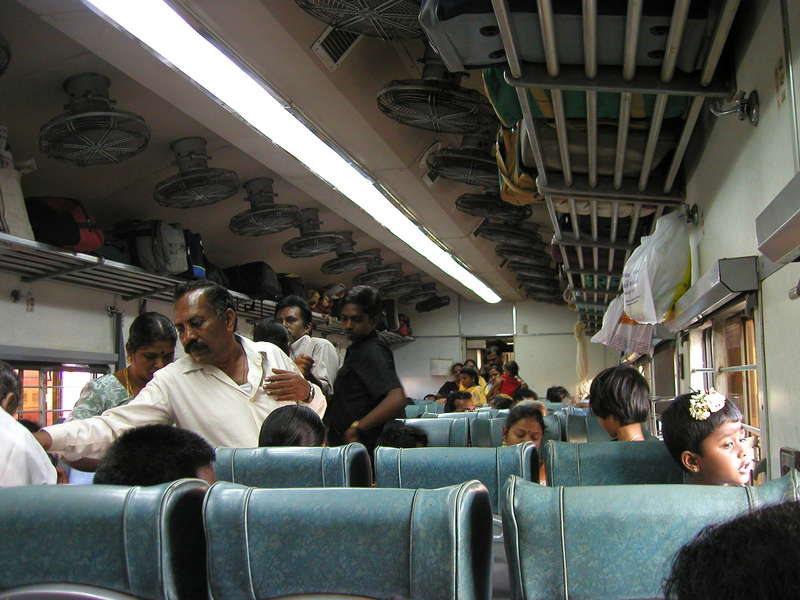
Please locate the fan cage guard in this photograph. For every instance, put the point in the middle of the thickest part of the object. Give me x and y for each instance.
(491, 206)
(379, 276)
(540, 286)
(374, 18)
(267, 220)
(312, 244)
(443, 301)
(400, 288)
(524, 258)
(507, 235)
(418, 296)
(439, 106)
(346, 264)
(465, 165)
(197, 188)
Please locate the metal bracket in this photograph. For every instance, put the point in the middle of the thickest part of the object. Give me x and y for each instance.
(745, 106)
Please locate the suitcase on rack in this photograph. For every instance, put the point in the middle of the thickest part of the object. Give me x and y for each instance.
(292, 285)
(256, 279)
(195, 255)
(466, 36)
(13, 214)
(63, 222)
(156, 246)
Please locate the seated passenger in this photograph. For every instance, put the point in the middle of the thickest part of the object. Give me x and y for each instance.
(292, 425)
(155, 454)
(267, 330)
(525, 423)
(557, 393)
(525, 393)
(468, 382)
(495, 376)
(510, 381)
(704, 434)
(398, 435)
(753, 556)
(459, 402)
(22, 459)
(620, 399)
(430, 398)
(451, 385)
(502, 401)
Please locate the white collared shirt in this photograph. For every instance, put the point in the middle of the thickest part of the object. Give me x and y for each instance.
(198, 397)
(326, 359)
(22, 460)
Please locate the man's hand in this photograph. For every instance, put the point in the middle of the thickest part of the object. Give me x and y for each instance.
(43, 438)
(287, 386)
(304, 362)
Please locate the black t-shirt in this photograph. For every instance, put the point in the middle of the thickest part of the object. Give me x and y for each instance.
(365, 377)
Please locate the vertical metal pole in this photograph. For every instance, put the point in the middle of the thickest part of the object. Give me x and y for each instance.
(590, 68)
(787, 59)
(632, 24)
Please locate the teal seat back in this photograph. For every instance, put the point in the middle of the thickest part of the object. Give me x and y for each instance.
(293, 467)
(443, 432)
(613, 542)
(147, 542)
(487, 433)
(438, 467)
(610, 463)
(584, 428)
(376, 543)
(413, 411)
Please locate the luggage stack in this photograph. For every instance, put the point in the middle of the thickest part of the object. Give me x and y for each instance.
(595, 126)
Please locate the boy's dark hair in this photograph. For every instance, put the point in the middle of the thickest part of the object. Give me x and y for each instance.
(292, 425)
(621, 392)
(502, 401)
(396, 434)
(154, 454)
(681, 432)
(556, 393)
(368, 298)
(512, 367)
(9, 384)
(524, 393)
(469, 371)
(292, 300)
(525, 410)
(267, 330)
(753, 556)
(218, 297)
(450, 403)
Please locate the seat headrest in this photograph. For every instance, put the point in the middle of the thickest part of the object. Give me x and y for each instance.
(488, 433)
(613, 542)
(442, 432)
(292, 467)
(584, 428)
(143, 541)
(362, 542)
(438, 467)
(610, 463)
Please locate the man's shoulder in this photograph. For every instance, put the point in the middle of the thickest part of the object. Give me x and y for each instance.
(322, 343)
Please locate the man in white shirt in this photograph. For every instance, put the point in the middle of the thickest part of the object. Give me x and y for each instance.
(22, 460)
(314, 356)
(223, 388)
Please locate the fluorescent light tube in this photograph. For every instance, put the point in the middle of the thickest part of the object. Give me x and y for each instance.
(158, 26)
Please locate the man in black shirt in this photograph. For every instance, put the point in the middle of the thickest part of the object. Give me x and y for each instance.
(367, 391)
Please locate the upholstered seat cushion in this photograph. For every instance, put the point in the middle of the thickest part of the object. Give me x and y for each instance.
(443, 432)
(433, 544)
(613, 542)
(609, 463)
(284, 467)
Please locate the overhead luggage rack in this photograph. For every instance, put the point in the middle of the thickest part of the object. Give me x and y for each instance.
(598, 219)
(35, 261)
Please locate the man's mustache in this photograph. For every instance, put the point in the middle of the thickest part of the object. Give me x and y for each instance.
(195, 346)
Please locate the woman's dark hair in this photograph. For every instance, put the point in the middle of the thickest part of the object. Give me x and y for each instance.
(450, 403)
(556, 393)
(9, 384)
(620, 392)
(267, 330)
(454, 365)
(292, 425)
(524, 393)
(469, 360)
(218, 297)
(681, 432)
(396, 434)
(149, 328)
(300, 303)
(502, 401)
(512, 367)
(753, 556)
(367, 297)
(470, 372)
(525, 410)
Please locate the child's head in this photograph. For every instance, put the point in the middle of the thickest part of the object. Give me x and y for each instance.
(430, 398)
(292, 425)
(398, 435)
(267, 330)
(557, 393)
(502, 401)
(511, 368)
(524, 393)
(155, 454)
(704, 434)
(525, 423)
(468, 377)
(620, 396)
(459, 402)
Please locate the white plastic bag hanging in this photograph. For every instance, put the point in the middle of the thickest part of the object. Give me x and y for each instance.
(658, 272)
(621, 333)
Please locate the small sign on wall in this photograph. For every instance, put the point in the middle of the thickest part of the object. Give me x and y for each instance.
(440, 367)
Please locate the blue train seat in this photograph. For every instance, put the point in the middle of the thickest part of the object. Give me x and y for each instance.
(442, 432)
(487, 433)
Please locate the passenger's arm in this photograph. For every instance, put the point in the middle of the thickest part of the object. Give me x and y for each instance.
(388, 409)
(287, 384)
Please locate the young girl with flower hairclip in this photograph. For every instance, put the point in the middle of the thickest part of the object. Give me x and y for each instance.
(703, 432)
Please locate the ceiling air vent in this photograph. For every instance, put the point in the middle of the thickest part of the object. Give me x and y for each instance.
(333, 46)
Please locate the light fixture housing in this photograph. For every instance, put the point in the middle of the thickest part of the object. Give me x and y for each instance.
(158, 26)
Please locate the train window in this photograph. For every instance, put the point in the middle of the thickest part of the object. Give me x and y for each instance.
(49, 393)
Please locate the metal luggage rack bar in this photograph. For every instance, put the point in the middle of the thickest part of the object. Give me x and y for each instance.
(35, 261)
(593, 272)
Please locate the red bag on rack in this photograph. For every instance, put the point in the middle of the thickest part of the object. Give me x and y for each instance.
(63, 222)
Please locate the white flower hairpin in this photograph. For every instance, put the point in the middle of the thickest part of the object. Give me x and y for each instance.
(703, 404)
